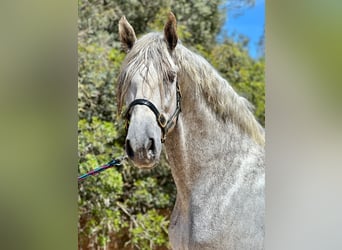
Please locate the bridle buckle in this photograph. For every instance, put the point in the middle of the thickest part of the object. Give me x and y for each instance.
(162, 121)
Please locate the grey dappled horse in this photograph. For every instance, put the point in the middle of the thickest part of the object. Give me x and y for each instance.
(214, 144)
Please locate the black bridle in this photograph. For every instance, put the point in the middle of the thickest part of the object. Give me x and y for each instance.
(161, 120)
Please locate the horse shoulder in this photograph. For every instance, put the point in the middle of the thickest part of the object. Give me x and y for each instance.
(228, 212)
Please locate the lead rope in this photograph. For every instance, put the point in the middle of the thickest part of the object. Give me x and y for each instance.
(110, 164)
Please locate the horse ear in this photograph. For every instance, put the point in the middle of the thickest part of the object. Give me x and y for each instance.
(126, 34)
(170, 31)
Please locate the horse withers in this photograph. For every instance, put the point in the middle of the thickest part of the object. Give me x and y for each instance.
(214, 144)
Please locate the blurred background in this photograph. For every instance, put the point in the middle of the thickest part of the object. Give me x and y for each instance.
(51, 131)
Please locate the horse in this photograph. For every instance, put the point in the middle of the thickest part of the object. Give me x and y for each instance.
(214, 144)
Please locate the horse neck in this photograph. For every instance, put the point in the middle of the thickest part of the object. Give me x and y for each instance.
(202, 144)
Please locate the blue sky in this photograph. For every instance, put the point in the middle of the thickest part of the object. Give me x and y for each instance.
(250, 23)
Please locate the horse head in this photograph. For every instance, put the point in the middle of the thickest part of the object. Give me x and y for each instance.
(147, 84)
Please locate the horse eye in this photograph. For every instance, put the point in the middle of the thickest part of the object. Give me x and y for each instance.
(171, 77)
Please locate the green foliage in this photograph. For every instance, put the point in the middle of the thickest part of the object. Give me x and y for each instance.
(98, 213)
(201, 19)
(128, 208)
(119, 201)
(242, 72)
(97, 67)
(150, 230)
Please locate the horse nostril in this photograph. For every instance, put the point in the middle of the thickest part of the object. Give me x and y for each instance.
(129, 149)
(151, 145)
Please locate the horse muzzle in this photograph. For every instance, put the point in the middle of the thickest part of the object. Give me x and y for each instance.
(143, 156)
(143, 144)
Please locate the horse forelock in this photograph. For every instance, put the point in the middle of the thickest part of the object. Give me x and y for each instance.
(217, 92)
